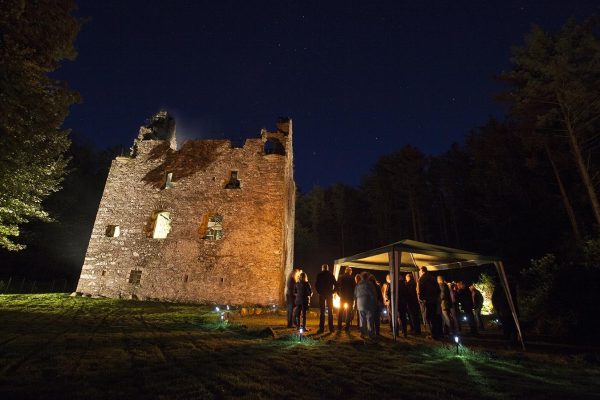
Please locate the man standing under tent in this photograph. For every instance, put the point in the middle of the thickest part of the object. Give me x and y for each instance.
(325, 286)
(346, 287)
(402, 304)
(477, 305)
(465, 298)
(446, 305)
(429, 293)
(412, 301)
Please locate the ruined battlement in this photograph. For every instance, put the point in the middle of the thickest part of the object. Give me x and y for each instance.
(208, 222)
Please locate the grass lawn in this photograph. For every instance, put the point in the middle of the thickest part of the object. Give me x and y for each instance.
(60, 347)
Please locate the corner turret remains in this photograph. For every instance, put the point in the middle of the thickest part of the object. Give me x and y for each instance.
(208, 223)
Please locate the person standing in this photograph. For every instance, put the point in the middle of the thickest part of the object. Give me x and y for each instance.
(345, 287)
(429, 294)
(455, 312)
(302, 292)
(325, 287)
(477, 305)
(402, 306)
(465, 298)
(364, 294)
(378, 303)
(446, 305)
(290, 297)
(412, 301)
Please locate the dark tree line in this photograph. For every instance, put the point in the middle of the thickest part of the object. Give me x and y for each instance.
(519, 187)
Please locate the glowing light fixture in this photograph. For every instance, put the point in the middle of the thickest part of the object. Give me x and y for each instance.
(457, 341)
(217, 309)
(336, 301)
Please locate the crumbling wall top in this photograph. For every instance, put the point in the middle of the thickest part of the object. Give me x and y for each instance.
(160, 127)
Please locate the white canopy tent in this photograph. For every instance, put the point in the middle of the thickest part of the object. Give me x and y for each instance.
(410, 256)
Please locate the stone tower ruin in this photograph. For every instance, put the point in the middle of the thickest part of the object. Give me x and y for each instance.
(206, 223)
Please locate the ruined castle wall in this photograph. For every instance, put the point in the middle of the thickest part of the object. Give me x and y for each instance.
(247, 265)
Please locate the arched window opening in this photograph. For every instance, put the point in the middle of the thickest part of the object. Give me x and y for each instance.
(168, 181)
(161, 224)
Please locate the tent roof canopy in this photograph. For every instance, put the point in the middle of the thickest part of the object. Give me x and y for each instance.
(415, 255)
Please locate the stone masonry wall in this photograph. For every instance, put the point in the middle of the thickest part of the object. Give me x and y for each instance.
(247, 266)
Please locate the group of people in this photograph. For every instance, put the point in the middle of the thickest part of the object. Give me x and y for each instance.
(432, 300)
(439, 303)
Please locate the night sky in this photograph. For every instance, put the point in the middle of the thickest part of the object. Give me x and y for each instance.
(359, 79)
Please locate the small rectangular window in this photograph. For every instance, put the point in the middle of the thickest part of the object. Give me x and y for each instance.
(113, 231)
(135, 276)
(103, 272)
(185, 279)
(168, 181)
(234, 182)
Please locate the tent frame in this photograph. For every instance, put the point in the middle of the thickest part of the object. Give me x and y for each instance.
(405, 255)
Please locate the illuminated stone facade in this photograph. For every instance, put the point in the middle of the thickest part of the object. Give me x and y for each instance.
(207, 223)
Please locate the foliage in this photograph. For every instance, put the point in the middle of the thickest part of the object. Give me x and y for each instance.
(486, 284)
(36, 37)
(560, 298)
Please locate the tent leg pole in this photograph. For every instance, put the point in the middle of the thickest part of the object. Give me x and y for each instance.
(504, 282)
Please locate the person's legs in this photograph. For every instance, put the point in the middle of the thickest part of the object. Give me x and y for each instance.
(478, 319)
(371, 323)
(290, 313)
(454, 316)
(402, 319)
(471, 318)
(297, 310)
(377, 318)
(415, 315)
(349, 312)
(447, 326)
(304, 309)
(321, 313)
(329, 301)
(362, 322)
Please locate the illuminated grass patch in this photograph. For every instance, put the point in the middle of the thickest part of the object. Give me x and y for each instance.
(55, 346)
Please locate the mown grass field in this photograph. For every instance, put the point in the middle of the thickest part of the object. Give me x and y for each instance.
(61, 347)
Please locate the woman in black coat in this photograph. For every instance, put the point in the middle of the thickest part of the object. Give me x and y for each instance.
(302, 293)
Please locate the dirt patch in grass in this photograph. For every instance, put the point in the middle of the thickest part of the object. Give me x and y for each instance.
(56, 346)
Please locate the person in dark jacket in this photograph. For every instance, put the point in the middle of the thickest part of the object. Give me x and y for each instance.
(402, 305)
(465, 299)
(325, 286)
(346, 287)
(378, 303)
(412, 301)
(302, 293)
(429, 294)
(477, 305)
(290, 297)
(445, 305)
